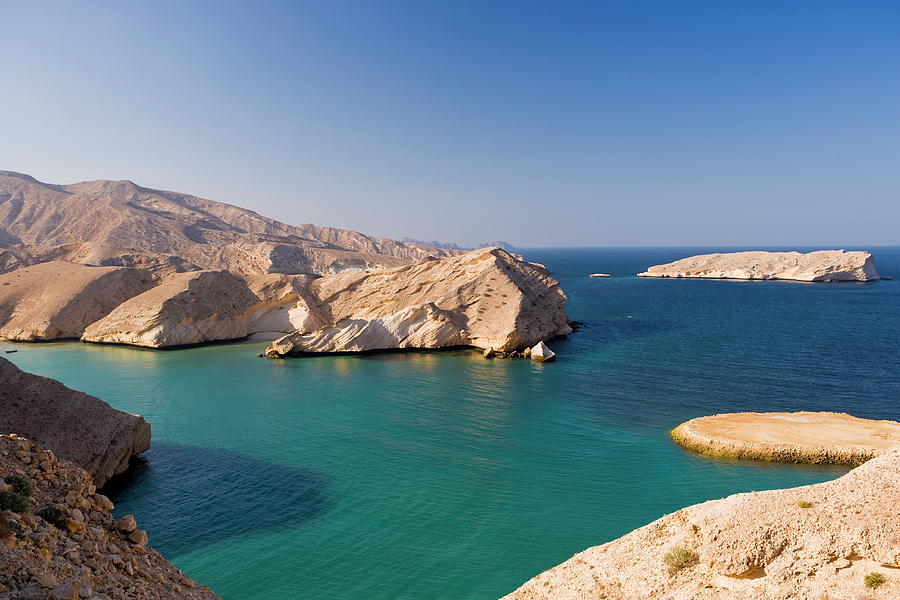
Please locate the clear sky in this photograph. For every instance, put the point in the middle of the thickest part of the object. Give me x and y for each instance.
(542, 123)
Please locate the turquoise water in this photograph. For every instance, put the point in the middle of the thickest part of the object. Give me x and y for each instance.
(443, 475)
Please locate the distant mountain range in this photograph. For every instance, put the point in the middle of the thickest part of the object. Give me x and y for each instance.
(454, 246)
(119, 223)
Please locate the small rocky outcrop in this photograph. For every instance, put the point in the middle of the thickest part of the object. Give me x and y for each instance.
(76, 426)
(823, 265)
(57, 300)
(810, 543)
(486, 298)
(58, 540)
(542, 353)
(798, 437)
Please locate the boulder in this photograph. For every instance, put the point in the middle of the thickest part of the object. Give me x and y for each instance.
(541, 352)
(76, 426)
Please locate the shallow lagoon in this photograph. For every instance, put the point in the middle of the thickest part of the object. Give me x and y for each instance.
(444, 475)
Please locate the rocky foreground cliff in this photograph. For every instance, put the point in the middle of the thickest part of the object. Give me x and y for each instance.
(58, 540)
(78, 427)
(823, 265)
(835, 540)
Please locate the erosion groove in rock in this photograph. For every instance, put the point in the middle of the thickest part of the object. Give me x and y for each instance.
(64, 544)
(809, 543)
(76, 426)
(822, 265)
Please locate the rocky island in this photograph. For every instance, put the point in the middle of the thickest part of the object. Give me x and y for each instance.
(160, 269)
(838, 539)
(800, 437)
(823, 265)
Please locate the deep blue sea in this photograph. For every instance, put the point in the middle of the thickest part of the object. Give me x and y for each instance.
(442, 475)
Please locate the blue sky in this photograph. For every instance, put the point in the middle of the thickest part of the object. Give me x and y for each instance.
(542, 123)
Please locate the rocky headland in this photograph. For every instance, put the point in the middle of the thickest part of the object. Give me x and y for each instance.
(798, 437)
(144, 267)
(58, 540)
(77, 427)
(486, 298)
(833, 540)
(823, 265)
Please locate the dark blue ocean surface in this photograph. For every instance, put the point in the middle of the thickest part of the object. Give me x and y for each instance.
(444, 475)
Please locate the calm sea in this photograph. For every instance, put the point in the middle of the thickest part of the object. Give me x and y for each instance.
(442, 475)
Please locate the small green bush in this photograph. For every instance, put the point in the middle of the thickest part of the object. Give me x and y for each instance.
(873, 580)
(19, 484)
(804, 504)
(13, 501)
(53, 516)
(679, 557)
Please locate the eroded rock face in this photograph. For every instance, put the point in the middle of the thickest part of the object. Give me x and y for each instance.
(75, 550)
(810, 542)
(76, 426)
(204, 306)
(486, 298)
(824, 265)
(57, 300)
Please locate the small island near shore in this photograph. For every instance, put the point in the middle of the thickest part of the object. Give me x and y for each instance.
(799, 437)
(828, 540)
(822, 265)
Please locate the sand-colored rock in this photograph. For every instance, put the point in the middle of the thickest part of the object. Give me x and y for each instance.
(487, 298)
(803, 437)
(125, 223)
(205, 306)
(823, 265)
(57, 300)
(807, 543)
(76, 426)
(82, 555)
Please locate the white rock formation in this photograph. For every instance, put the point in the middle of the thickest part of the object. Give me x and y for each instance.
(204, 306)
(599, 275)
(823, 265)
(486, 298)
(807, 543)
(541, 352)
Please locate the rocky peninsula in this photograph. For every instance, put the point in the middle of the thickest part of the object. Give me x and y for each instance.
(159, 269)
(838, 539)
(58, 540)
(77, 427)
(798, 437)
(487, 298)
(823, 265)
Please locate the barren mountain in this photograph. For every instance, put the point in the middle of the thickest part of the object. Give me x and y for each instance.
(123, 223)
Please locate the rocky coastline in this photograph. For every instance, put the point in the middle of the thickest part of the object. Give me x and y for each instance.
(838, 539)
